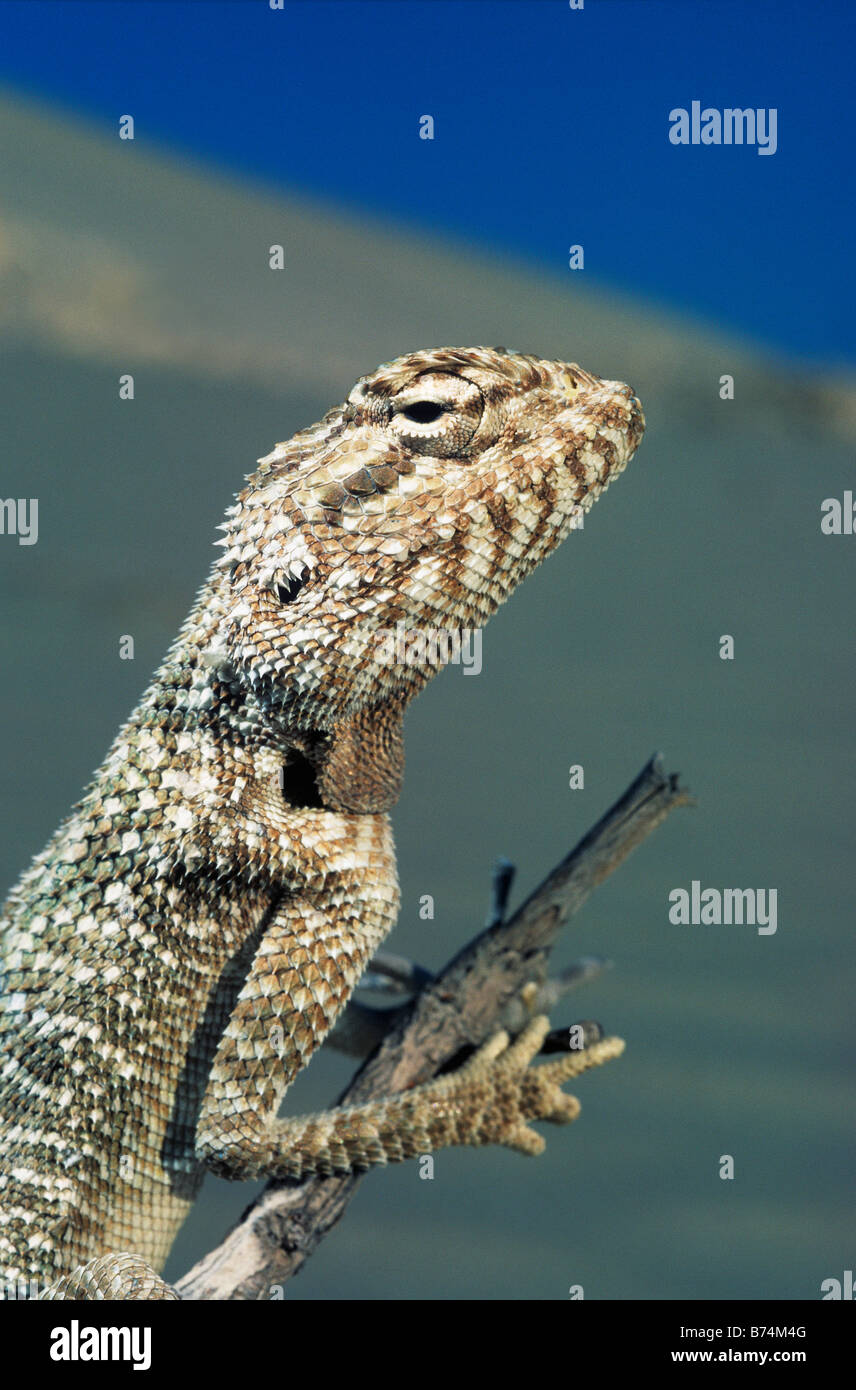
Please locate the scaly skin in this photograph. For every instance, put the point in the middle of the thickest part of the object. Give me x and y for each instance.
(189, 935)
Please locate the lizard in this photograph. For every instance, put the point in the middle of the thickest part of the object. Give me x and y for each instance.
(193, 929)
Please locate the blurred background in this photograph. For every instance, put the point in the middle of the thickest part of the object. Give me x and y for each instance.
(301, 126)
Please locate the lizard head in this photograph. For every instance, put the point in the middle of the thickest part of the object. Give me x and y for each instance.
(418, 505)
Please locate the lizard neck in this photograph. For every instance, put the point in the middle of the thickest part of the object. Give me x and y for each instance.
(325, 669)
(326, 745)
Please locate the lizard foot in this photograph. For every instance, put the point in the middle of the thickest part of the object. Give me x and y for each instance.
(497, 1092)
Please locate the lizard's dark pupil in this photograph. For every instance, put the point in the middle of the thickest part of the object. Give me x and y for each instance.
(423, 412)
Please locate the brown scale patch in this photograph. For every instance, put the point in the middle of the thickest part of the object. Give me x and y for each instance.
(527, 376)
(493, 391)
(382, 385)
(333, 495)
(517, 437)
(499, 517)
(576, 467)
(384, 476)
(545, 491)
(617, 415)
(541, 525)
(359, 483)
(608, 453)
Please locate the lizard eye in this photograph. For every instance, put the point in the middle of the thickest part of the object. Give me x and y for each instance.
(423, 412)
(437, 414)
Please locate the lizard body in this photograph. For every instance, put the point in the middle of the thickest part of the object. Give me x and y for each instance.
(187, 938)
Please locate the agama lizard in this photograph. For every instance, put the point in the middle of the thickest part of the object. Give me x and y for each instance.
(188, 937)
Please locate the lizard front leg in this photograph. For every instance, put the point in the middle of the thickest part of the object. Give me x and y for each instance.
(303, 970)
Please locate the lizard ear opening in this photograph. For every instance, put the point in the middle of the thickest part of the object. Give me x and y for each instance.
(288, 590)
(299, 783)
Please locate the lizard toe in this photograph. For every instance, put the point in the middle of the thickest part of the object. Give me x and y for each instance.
(562, 1108)
(528, 1044)
(490, 1050)
(525, 1140)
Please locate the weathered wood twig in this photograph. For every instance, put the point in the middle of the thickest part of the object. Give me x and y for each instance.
(477, 992)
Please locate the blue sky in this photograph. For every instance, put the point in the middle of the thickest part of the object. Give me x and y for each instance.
(551, 128)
